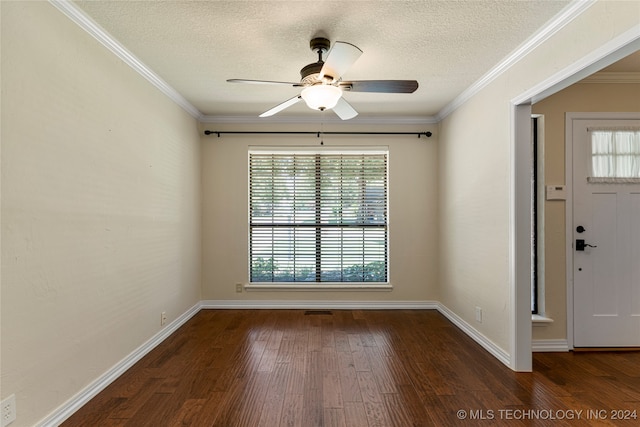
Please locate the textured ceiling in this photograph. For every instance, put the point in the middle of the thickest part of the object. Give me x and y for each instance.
(195, 46)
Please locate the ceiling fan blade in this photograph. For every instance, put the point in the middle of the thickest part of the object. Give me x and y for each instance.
(286, 104)
(380, 86)
(341, 56)
(263, 82)
(344, 110)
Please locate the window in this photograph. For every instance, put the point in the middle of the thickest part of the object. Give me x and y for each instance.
(615, 155)
(537, 219)
(318, 216)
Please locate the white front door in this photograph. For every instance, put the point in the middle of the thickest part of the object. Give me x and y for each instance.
(606, 248)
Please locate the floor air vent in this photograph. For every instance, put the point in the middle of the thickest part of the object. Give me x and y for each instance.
(318, 312)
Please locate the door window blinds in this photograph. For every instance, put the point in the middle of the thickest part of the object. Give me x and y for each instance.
(318, 216)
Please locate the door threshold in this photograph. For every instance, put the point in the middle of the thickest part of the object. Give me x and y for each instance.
(595, 349)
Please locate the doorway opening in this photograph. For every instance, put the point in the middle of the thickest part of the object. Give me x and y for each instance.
(521, 345)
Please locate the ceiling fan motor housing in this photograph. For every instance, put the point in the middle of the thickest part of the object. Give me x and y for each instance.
(310, 73)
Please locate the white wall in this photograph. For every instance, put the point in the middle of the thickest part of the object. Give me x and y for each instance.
(100, 209)
(412, 212)
(474, 216)
(101, 205)
(475, 147)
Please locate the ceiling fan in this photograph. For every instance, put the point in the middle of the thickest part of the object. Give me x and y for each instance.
(323, 84)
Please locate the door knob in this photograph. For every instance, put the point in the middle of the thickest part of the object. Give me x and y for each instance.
(580, 245)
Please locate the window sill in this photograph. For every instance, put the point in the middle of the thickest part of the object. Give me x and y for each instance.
(318, 287)
(538, 320)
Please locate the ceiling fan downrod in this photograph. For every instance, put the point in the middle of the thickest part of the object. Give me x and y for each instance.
(309, 73)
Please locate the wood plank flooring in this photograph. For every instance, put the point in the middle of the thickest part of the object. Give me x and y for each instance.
(356, 368)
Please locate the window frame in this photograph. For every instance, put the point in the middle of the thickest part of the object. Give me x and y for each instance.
(316, 285)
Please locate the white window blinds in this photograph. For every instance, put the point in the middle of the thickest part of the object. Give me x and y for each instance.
(318, 216)
(615, 154)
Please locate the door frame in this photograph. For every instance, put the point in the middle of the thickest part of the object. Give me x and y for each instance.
(569, 225)
(520, 194)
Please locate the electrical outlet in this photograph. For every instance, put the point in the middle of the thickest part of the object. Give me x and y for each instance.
(239, 287)
(478, 315)
(163, 318)
(8, 410)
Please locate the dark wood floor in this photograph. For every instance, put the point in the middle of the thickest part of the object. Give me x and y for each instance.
(356, 368)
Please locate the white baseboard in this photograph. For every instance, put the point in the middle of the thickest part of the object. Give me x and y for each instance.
(319, 305)
(557, 345)
(485, 342)
(67, 409)
(76, 402)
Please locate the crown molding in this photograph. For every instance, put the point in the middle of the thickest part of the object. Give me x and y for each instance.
(69, 9)
(568, 14)
(609, 77)
(107, 40)
(388, 120)
(612, 51)
(80, 18)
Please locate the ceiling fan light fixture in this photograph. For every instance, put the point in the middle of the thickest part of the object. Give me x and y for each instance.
(321, 97)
